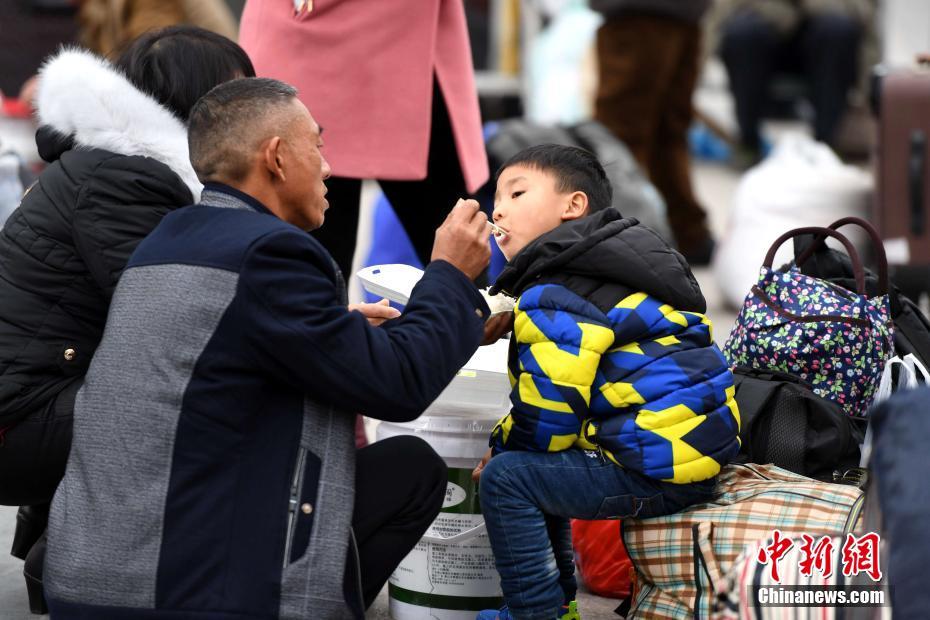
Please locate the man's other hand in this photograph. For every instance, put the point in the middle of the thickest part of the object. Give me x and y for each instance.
(497, 326)
(476, 473)
(376, 313)
(463, 241)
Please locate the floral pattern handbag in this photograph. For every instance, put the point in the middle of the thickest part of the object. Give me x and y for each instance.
(835, 339)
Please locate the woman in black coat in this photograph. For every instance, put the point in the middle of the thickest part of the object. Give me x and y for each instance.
(115, 138)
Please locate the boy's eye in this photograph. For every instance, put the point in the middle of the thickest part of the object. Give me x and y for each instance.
(517, 194)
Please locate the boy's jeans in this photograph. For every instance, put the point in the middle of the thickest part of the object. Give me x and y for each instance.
(527, 499)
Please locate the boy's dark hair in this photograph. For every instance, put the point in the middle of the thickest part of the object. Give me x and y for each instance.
(575, 170)
(179, 64)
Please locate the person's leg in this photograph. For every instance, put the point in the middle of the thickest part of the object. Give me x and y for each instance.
(635, 63)
(422, 206)
(33, 457)
(400, 484)
(34, 453)
(670, 167)
(829, 45)
(560, 537)
(340, 226)
(518, 489)
(749, 48)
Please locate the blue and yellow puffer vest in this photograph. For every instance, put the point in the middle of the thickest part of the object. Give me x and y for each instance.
(611, 351)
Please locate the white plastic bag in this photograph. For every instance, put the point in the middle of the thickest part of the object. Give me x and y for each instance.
(558, 91)
(909, 375)
(802, 183)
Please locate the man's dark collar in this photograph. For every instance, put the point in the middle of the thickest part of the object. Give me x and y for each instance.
(222, 188)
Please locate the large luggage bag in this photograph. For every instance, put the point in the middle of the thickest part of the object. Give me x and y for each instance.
(902, 207)
(681, 559)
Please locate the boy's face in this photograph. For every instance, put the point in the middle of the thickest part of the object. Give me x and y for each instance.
(528, 205)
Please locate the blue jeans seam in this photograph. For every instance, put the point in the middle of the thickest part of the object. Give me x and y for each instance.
(509, 546)
(504, 478)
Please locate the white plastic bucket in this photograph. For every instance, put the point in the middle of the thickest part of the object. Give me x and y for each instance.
(450, 574)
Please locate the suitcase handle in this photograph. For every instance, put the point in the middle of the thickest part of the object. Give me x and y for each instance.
(858, 271)
(877, 246)
(916, 165)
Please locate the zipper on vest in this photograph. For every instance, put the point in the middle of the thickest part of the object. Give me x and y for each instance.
(293, 503)
(353, 544)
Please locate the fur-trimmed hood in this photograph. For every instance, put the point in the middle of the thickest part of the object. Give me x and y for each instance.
(83, 96)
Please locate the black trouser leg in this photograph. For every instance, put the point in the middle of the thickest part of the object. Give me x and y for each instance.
(400, 484)
(340, 226)
(829, 45)
(33, 454)
(422, 206)
(750, 49)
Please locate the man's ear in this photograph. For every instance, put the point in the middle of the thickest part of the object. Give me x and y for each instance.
(273, 157)
(576, 207)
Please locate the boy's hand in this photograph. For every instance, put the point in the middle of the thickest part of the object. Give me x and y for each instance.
(376, 313)
(462, 240)
(497, 326)
(476, 474)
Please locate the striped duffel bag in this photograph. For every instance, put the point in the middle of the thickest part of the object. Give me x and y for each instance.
(681, 559)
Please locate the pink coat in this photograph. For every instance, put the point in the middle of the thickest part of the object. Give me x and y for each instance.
(365, 70)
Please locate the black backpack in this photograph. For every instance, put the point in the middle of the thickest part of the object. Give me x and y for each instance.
(783, 422)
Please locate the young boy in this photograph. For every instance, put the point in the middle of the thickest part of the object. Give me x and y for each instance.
(622, 404)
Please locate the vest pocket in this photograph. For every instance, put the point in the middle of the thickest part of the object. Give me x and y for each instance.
(302, 505)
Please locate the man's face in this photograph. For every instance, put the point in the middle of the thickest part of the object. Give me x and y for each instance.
(303, 194)
(526, 205)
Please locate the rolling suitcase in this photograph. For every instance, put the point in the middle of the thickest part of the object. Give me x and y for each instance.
(902, 208)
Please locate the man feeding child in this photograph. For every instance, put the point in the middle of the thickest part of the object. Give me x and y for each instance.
(622, 404)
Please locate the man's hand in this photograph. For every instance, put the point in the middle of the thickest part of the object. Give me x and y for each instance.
(463, 241)
(376, 313)
(476, 473)
(497, 326)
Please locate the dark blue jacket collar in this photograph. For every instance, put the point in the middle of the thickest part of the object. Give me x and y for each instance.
(222, 195)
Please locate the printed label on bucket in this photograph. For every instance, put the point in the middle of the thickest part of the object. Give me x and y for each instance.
(451, 576)
(461, 496)
(455, 495)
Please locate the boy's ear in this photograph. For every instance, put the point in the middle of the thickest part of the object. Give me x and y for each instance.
(576, 207)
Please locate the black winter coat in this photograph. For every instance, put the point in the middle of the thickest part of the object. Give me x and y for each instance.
(62, 252)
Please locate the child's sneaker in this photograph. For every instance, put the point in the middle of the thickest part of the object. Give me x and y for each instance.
(568, 612)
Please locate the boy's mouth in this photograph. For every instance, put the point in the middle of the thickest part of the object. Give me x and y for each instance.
(499, 233)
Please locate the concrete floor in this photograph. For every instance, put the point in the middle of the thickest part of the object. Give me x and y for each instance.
(714, 184)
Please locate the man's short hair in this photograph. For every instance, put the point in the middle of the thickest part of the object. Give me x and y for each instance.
(574, 169)
(230, 122)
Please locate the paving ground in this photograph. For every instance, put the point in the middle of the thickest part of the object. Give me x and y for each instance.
(715, 186)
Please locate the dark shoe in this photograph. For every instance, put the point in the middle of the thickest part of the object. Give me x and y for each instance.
(31, 522)
(701, 254)
(32, 571)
